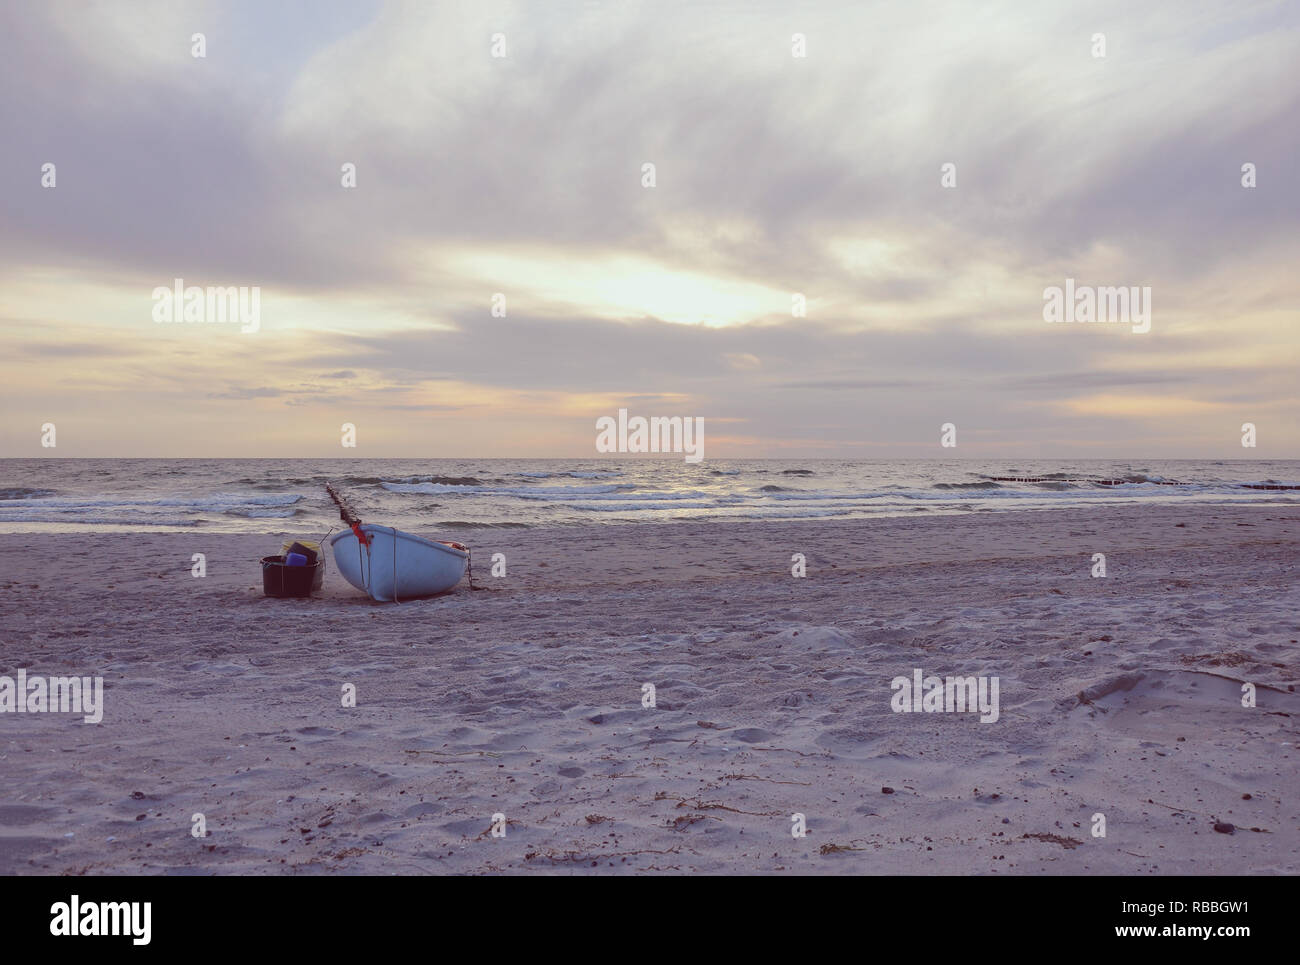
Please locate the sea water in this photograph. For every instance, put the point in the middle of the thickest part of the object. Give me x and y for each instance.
(444, 495)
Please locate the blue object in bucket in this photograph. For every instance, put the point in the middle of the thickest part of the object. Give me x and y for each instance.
(295, 559)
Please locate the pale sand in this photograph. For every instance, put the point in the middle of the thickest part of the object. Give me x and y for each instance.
(773, 698)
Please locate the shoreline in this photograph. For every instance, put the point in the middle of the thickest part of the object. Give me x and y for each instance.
(471, 498)
(773, 698)
(314, 529)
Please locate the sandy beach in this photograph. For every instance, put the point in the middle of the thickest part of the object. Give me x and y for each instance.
(1119, 696)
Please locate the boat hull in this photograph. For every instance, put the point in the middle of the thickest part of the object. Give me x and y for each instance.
(397, 565)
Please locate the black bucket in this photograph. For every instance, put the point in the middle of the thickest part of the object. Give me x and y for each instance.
(281, 580)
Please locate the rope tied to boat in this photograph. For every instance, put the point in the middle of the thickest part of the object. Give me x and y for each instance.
(394, 542)
(365, 540)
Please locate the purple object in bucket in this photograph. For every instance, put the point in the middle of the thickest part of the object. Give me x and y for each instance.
(295, 559)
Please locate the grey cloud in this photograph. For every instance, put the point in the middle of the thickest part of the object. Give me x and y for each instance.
(63, 350)
(247, 393)
(1092, 380)
(853, 384)
(170, 177)
(171, 173)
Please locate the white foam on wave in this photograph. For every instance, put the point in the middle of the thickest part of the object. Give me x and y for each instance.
(530, 492)
(619, 507)
(217, 501)
(38, 516)
(575, 474)
(159, 511)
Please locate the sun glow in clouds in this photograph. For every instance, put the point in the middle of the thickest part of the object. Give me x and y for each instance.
(616, 287)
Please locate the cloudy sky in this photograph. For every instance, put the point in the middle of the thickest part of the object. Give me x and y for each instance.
(774, 175)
